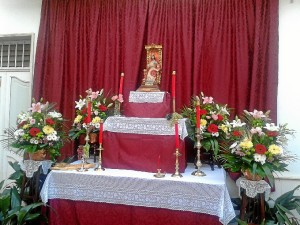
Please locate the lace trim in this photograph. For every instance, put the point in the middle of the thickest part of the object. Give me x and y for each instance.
(31, 166)
(254, 187)
(146, 97)
(205, 195)
(136, 125)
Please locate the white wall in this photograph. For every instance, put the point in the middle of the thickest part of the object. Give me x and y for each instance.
(20, 16)
(289, 75)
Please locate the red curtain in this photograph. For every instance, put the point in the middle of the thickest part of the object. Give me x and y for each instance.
(226, 48)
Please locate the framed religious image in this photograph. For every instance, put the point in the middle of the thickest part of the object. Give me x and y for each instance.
(152, 73)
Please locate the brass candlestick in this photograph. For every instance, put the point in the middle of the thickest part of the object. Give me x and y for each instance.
(177, 173)
(100, 167)
(86, 151)
(198, 172)
(159, 174)
(117, 108)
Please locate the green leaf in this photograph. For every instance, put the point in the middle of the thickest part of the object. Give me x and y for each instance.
(4, 204)
(15, 198)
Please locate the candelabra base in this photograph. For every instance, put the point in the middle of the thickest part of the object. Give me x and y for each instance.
(177, 174)
(198, 173)
(99, 168)
(159, 174)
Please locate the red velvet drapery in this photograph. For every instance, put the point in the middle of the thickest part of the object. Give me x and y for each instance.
(226, 48)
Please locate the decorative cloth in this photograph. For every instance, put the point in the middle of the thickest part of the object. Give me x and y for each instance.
(146, 97)
(135, 125)
(254, 187)
(207, 194)
(31, 166)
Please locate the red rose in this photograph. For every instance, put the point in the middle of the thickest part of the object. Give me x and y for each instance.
(212, 128)
(84, 111)
(272, 133)
(203, 112)
(260, 149)
(102, 108)
(34, 131)
(236, 133)
(49, 121)
(220, 117)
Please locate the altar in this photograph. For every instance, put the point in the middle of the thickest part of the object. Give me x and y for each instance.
(131, 197)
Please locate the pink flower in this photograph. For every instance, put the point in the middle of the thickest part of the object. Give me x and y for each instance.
(94, 95)
(207, 100)
(114, 98)
(36, 107)
(214, 116)
(257, 114)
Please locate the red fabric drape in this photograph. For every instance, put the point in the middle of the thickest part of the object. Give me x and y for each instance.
(226, 48)
(67, 212)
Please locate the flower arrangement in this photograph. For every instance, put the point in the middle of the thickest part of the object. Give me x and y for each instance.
(100, 106)
(40, 128)
(214, 125)
(257, 145)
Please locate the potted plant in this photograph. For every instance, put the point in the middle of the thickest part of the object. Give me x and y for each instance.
(214, 122)
(256, 146)
(12, 209)
(89, 118)
(40, 130)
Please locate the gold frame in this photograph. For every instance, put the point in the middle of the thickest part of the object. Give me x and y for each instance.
(147, 84)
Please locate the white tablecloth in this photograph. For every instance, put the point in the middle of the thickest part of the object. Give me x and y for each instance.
(136, 125)
(207, 194)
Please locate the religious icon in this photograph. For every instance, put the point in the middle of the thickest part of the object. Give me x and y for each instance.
(152, 74)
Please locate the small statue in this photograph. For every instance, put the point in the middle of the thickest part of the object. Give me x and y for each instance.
(153, 69)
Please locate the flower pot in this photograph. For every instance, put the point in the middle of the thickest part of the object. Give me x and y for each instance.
(234, 175)
(39, 155)
(93, 138)
(250, 176)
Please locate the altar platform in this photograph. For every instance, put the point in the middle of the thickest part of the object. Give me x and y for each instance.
(126, 197)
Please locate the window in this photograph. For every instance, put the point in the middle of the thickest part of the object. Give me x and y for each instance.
(15, 52)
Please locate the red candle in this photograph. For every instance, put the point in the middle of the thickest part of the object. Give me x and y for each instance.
(89, 109)
(158, 162)
(198, 120)
(101, 132)
(173, 83)
(121, 84)
(176, 136)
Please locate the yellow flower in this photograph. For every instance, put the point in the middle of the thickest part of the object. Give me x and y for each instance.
(224, 128)
(246, 144)
(48, 130)
(203, 122)
(96, 119)
(25, 126)
(274, 149)
(77, 119)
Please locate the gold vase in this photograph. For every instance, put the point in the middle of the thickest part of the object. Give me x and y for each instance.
(250, 176)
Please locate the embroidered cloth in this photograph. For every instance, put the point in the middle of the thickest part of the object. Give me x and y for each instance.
(136, 125)
(254, 187)
(207, 194)
(31, 166)
(146, 97)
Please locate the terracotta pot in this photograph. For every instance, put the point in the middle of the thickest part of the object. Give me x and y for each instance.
(93, 138)
(250, 176)
(39, 155)
(234, 175)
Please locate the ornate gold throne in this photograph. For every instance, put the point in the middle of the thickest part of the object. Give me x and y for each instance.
(152, 74)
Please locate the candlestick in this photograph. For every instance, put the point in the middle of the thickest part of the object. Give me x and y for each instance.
(176, 135)
(198, 172)
(100, 167)
(177, 154)
(121, 84)
(101, 131)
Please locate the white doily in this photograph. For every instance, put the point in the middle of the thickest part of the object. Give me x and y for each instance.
(254, 187)
(146, 97)
(207, 194)
(31, 166)
(136, 125)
